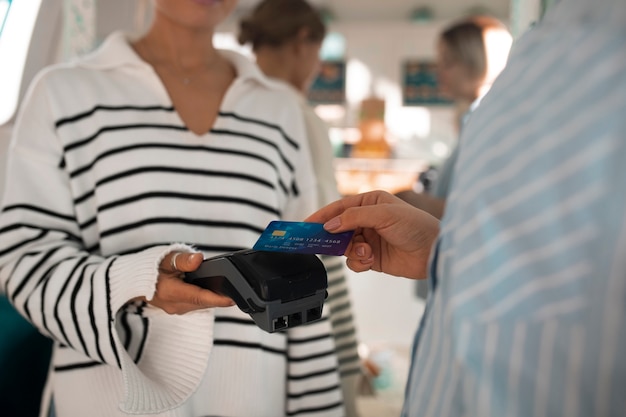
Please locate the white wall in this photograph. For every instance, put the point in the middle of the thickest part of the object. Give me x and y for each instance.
(387, 309)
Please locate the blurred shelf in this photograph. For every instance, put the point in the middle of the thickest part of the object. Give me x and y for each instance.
(358, 175)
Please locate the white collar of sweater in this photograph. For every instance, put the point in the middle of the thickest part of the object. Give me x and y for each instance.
(116, 52)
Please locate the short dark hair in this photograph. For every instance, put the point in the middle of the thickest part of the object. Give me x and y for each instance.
(274, 22)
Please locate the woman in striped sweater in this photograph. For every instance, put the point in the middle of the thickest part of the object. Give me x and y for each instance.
(144, 143)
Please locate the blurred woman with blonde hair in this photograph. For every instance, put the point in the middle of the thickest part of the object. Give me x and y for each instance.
(471, 53)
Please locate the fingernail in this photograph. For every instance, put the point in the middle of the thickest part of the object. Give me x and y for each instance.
(360, 250)
(333, 223)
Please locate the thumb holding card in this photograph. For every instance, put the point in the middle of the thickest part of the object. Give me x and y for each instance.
(390, 235)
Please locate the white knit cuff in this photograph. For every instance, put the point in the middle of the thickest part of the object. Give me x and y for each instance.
(177, 347)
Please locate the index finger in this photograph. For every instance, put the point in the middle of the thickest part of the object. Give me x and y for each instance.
(338, 207)
(327, 212)
(195, 295)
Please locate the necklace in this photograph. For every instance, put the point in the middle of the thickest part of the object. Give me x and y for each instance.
(176, 71)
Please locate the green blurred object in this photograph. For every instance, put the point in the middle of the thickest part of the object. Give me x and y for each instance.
(545, 5)
(423, 14)
(24, 360)
(328, 17)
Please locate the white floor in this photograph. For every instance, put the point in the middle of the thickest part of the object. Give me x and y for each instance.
(387, 402)
(387, 312)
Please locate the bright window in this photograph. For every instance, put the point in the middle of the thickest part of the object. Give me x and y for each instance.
(4, 10)
(17, 20)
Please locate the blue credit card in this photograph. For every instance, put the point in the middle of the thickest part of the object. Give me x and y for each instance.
(302, 237)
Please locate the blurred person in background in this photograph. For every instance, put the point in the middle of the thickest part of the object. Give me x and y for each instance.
(286, 37)
(173, 151)
(287, 49)
(471, 53)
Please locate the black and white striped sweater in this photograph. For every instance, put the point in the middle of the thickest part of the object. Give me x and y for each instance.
(102, 177)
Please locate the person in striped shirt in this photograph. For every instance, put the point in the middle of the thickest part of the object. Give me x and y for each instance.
(528, 317)
(125, 169)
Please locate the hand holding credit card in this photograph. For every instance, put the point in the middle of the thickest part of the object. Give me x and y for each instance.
(302, 237)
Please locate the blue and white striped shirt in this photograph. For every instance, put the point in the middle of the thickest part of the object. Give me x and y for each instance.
(529, 314)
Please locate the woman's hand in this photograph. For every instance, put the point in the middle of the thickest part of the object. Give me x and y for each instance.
(175, 296)
(390, 235)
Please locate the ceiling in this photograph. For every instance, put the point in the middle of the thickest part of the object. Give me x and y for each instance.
(359, 10)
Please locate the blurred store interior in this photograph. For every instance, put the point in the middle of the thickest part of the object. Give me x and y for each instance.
(376, 91)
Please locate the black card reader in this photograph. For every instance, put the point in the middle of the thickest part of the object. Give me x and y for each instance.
(278, 290)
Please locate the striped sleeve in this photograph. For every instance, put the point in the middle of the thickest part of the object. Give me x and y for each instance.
(70, 294)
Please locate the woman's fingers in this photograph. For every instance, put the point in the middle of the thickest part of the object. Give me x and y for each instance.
(175, 296)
